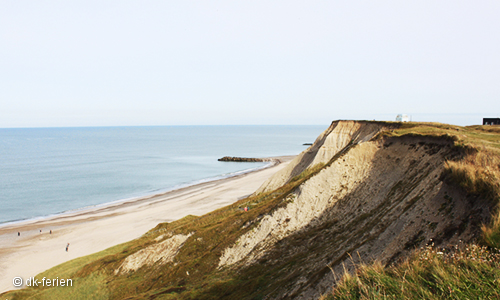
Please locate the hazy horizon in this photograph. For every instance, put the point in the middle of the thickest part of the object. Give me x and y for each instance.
(94, 63)
(476, 120)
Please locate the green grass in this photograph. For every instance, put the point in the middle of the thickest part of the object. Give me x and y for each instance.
(475, 136)
(470, 273)
(91, 287)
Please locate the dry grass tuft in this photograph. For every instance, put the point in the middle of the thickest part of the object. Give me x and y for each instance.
(469, 273)
(478, 172)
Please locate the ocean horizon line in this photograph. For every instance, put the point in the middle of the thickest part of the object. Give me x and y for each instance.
(148, 126)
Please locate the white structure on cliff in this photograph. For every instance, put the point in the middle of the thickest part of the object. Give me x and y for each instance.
(402, 118)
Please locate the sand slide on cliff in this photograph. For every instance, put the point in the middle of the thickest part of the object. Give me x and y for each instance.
(328, 144)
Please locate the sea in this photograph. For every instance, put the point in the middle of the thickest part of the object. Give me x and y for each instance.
(49, 171)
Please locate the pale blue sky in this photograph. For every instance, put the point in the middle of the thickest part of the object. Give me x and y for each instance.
(112, 63)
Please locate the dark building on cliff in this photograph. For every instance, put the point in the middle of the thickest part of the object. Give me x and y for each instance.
(491, 121)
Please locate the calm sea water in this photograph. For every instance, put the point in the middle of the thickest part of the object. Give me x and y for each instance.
(45, 171)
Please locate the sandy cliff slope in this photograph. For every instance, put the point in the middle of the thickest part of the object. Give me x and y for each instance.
(378, 199)
(328, 144)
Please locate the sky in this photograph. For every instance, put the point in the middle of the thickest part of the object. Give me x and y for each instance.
(128, 63)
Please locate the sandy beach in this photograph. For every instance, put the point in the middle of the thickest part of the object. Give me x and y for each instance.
(92, 230)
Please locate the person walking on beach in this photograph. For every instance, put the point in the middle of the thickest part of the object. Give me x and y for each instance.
(18, 233)
(67, 247)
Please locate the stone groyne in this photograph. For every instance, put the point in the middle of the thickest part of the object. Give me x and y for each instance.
(243, 159)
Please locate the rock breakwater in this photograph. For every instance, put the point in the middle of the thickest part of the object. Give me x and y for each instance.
(243, 159)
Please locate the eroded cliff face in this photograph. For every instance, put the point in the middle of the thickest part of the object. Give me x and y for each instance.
(313, 197)
(157, 254)
(327, 145)
(377, 199)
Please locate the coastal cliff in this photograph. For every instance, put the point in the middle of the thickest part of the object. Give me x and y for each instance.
(373, 199)
(363, 192)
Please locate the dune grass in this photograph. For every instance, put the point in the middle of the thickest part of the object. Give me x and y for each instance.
(469, 273)
(91, 287)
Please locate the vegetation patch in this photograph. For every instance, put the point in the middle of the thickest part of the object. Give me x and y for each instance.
(472, 272)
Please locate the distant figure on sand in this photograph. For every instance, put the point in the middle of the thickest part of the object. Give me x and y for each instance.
(51, 231)
(67, 246)
(40, 231)
(18, 233)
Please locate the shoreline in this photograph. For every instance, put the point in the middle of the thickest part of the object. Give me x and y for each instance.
(272, 161)
(96, 228)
